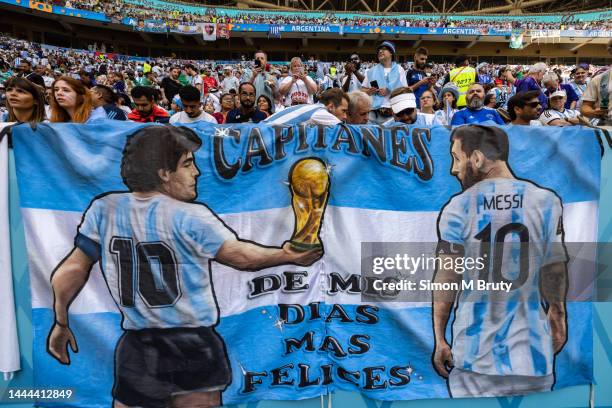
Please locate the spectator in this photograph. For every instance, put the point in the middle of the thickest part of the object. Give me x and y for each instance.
(352, 76)
(580, 81)
(483, 76)
(170, 85)
(118, 82)
(142, 79)
(72, 102)
(5, 72)
(427, 107)
(531, 82)
(247, 111)
(501, 93)
(331, 110)
(230, 82)
(209, 81)
(176, 105)
(557, 114)
(329, 81)
(403, 104)
(25, 101)
(124, 103)
(227, 104)
(381, 80)
(25, 70)
(475, 111)
(462, 76)
(297, 88)
(596, 98)
(359, 108)
(102, 95)
(417, 79)
(265, 105)
(447, 105)
(193, 78)
(88, 80)
(490, 100)
(146, 110)
(192, 107)
(524, 108)
(264, 82)
(551, 83)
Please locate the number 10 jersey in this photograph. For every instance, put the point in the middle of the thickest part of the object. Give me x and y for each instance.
(154, 254)
(516, 227)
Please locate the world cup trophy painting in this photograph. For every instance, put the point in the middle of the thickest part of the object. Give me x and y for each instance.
(309, 185)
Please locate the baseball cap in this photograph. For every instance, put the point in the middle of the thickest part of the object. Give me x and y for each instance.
(403, 101)
(558, 93)
(387, 44)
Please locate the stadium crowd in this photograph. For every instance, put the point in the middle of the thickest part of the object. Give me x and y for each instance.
(172, 14)
(39, 83)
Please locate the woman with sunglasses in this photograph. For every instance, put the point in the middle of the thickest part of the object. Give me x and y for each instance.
(25, 101)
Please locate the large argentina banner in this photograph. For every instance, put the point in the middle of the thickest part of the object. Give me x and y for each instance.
(266, 259)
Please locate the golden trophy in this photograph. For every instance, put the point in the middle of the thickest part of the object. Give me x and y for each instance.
(309, 185)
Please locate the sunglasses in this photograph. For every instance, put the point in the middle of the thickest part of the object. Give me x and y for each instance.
(533, 104)
(406, 112)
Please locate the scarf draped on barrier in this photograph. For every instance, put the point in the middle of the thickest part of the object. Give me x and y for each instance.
(289, 331)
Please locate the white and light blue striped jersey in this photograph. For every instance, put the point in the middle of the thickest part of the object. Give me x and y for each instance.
(552, 114)
(308, 113)
(494, 333)
(154, 253)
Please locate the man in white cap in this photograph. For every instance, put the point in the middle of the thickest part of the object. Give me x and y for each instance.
(403, 105)
(229, 81)
(382, 79)
(556, 114)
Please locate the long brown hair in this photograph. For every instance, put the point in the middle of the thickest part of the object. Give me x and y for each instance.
(38, 94)
(84, 102)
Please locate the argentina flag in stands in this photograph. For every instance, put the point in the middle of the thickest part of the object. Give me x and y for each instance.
(275, 31)
(303, 114)
(289, 331)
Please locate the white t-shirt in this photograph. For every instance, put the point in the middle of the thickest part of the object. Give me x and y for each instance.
(298, 89)
(402, 74)
(182, 117)
(429, 118)
(230, 82)
(354, 85)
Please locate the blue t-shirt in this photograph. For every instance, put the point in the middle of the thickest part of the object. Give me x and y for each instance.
(236, 116)
(412, 77)
(529, 84)
(485, 79)
(468, 116)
